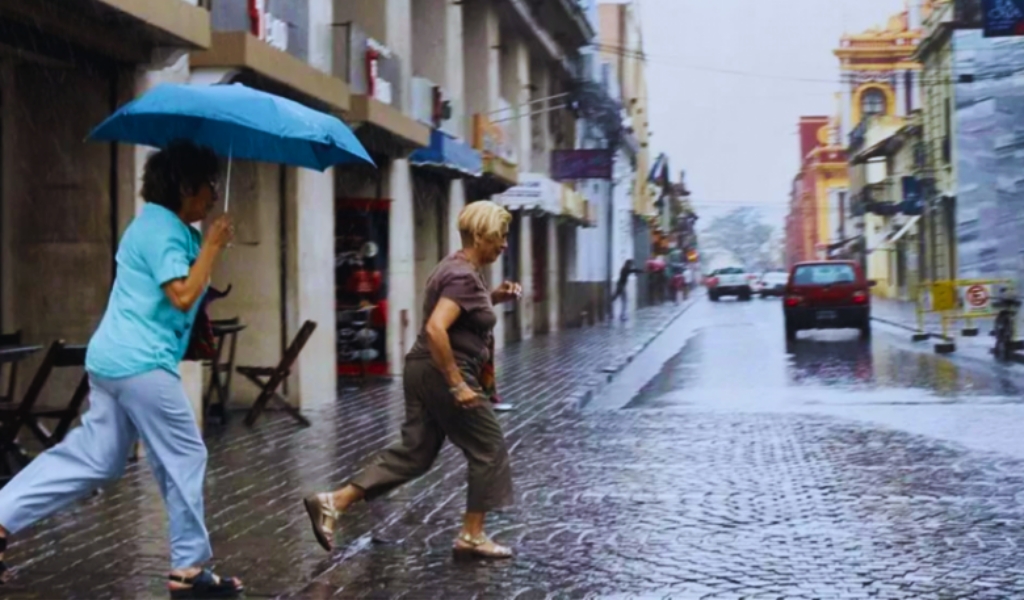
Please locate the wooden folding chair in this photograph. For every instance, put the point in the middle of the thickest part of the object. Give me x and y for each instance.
(10, 339)
(25, 414)
(269, 379)
(218, 391)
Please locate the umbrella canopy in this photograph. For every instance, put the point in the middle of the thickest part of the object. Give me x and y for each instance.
(237, 122)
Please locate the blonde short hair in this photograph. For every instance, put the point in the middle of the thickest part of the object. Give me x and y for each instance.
(483, 220)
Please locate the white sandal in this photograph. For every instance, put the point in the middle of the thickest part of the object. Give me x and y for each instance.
(324, 517)
(469, 547)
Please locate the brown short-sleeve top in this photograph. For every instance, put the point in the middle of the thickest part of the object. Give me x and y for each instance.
(470, 335)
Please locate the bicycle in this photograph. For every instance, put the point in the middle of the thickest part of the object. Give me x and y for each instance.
(1005, 329)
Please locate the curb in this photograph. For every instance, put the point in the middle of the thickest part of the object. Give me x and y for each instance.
(580, 398)
(899, 325)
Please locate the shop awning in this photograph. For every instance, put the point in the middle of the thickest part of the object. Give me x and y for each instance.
(535, 192)
(241, 51)
(899, 234)
(449, 154)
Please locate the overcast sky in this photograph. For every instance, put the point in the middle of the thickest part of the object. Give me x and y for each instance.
(735, 135)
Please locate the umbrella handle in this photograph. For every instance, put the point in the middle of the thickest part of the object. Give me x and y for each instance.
(227, 190)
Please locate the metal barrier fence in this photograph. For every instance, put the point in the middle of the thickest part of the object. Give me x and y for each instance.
(957, 300)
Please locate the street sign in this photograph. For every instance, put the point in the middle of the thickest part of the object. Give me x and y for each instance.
(977, 298)
(943, 296)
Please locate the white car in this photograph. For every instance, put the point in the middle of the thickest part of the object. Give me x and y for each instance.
(772, 283)
(730, 281)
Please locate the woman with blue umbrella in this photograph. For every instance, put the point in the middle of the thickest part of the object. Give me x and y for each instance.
(163, 270)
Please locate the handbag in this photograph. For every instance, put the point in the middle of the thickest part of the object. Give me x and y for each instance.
(202, 343)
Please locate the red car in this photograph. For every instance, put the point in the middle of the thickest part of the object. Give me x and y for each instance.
(827, 295)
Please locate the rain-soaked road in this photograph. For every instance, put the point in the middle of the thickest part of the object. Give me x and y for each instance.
(744, 469)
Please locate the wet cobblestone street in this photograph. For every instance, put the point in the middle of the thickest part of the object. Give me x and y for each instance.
(745, 469)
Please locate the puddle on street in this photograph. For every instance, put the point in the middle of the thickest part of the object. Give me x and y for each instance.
(729, 364)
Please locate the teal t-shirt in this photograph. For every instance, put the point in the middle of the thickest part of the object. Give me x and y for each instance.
(141, 330)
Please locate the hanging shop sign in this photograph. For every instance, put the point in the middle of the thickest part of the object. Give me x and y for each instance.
(265, 26)
(573, 204)
(498, 154)
(1002, 18)
(581, 164)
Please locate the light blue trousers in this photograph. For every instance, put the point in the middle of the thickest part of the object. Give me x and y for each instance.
(152, 406)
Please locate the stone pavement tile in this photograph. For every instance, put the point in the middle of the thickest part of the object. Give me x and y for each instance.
(626, 503)
(114, 544)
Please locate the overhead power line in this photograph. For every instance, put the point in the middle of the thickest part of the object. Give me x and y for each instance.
(845, 78)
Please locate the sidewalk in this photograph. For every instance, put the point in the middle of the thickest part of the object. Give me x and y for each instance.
(901, 313)
(113, 545)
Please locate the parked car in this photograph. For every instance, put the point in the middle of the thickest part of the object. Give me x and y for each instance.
(730, 281)
(772, 283)
(827, 295)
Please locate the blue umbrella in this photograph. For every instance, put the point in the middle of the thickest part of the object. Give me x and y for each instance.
(237, 122)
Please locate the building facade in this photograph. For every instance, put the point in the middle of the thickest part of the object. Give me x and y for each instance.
(456, 102)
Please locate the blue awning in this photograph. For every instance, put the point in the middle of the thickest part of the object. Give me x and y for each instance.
(448, 153)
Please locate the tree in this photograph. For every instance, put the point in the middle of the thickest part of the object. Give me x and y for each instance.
(743, 234)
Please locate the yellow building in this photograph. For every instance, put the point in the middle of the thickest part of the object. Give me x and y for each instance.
(621, 44)
(879, 81)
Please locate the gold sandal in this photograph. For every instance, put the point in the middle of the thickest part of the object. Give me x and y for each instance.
(323, 517)
(469, 547)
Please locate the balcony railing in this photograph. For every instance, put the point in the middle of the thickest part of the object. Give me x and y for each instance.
(875, 198)
(369, 67)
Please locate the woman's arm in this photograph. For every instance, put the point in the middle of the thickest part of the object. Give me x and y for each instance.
(445, 313)
(185, 292)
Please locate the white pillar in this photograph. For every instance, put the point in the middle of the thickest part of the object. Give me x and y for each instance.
(310, 274)
(526, 277)
(321, 34)
(455, 72)
(521, 99)
(402, 317)
(399, 39)
(456, 202)
(554, 276)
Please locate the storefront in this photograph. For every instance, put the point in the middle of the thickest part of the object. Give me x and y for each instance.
(579, 301)
(533, 259)
(281, 266)
(381, 201)
(440, 175)
(64, 202)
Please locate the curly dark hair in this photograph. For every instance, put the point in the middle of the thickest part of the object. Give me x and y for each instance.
(177, 171)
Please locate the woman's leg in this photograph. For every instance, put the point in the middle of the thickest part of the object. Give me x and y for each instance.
(478, 434)
(157, 405)
(421, 442)
(92, 454)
